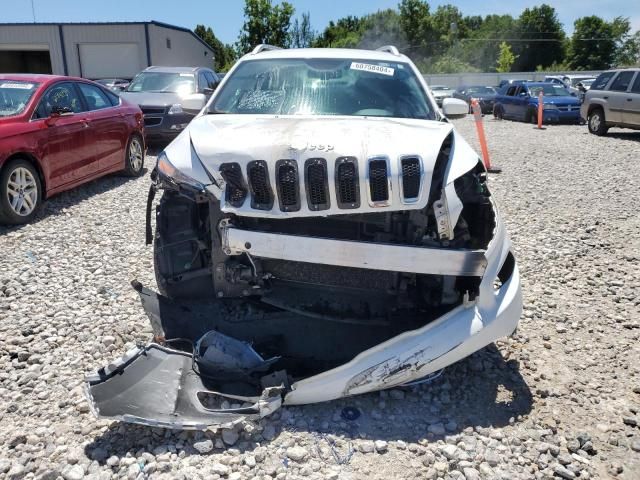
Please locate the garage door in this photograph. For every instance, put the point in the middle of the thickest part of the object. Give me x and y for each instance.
(25, 61)
(105, 60)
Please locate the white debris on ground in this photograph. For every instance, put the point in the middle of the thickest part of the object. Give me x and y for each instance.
(561, 399)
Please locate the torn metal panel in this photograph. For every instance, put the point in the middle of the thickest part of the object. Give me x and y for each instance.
(157, 386)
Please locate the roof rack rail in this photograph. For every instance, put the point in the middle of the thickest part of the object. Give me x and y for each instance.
(263, 47)
(389, 49)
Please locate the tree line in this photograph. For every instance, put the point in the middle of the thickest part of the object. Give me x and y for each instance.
(444, 40)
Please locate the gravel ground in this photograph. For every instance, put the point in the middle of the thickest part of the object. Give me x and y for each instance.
(560, 399)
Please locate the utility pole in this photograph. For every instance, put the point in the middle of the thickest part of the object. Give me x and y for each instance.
(33, 11)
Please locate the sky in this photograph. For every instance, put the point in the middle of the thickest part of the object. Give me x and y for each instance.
(225, 17)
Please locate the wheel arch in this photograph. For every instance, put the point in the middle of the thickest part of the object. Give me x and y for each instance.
(33, 160)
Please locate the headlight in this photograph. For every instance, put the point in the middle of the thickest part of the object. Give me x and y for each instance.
(175, 109)
(166, 168)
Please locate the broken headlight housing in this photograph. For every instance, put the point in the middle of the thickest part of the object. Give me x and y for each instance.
(170, 173)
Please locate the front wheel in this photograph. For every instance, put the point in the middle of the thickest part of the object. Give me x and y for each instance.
(498, 113)
(596, 122)
(20, 192)
(134, 157)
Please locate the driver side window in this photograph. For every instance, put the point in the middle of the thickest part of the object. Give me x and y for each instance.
(61, 97)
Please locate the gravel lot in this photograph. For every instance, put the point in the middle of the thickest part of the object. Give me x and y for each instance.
(561, 399)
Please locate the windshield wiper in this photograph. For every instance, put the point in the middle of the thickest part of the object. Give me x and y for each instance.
(213, 111)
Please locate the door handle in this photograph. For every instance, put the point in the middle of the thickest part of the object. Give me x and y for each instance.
(605, 97)
(86, 122)
(629, 99)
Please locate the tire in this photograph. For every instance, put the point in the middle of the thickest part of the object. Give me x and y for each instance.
(532, 117)
(596, 122)
(134, 157)
(498, 113)
(20, 192)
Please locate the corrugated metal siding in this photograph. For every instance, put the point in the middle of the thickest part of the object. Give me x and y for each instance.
(185, 51)
(77, 34)
(35, 35)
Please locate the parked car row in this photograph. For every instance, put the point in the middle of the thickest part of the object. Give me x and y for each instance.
(170, 97)
(610, 100)
(59, 132)
(519, 101)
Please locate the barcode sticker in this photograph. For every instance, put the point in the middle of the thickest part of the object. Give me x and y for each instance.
(22, 86)
(367, 67)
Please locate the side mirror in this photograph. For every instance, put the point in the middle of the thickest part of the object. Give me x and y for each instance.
(57, 113)
(207, 91)
(454, 108)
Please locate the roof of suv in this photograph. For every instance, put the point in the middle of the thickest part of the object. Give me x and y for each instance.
(347, 53)
(174, 69)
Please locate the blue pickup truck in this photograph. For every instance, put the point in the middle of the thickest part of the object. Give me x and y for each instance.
(519, 101)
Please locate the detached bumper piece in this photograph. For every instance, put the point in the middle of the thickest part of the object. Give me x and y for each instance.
(160, 387)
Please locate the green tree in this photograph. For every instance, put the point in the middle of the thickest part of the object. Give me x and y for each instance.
(415, 24)
(224, 54)
(627, 45)
(506, 58)
(381, 28)
(539, 25)
(447, 64)
(265, 23)
(448, 26)
(302, 35)
(483, 45)
(345, 32)
(593, 44)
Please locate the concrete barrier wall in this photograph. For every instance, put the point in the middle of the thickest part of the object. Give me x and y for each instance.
(455, 80)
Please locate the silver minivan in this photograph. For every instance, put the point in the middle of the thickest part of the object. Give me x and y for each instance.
(613, 101)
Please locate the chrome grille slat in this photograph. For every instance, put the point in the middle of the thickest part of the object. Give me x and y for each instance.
(287, 183)
(411, 170)
(378, 180)
(236, 192)
(261, 194)
(285, 186)
(316, 183)
(347, 183)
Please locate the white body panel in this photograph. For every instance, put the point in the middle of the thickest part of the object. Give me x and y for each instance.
(413, 355)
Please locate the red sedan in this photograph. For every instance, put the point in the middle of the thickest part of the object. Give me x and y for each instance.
(57, 133)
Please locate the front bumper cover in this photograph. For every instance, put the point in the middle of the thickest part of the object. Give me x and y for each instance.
(158, 386)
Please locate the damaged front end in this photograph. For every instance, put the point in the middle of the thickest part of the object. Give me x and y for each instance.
(321, 272)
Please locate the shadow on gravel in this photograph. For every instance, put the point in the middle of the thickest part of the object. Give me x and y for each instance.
(56, 204)
(482, 391)
(626, 135)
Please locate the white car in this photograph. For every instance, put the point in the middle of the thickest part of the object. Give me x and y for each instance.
(323, 231)
(440, 92)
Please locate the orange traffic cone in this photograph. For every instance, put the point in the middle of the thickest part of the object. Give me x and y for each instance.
(477, 116)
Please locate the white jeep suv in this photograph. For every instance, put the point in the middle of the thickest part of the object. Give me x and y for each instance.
(323, 231)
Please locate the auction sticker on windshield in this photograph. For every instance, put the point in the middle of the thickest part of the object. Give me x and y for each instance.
(23, 86)
(367, 67)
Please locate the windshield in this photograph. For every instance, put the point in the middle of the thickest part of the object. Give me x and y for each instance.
(550, 90)
(575, 81)
(163, 82)
(486, 90)
(14, 96)
(323, 87)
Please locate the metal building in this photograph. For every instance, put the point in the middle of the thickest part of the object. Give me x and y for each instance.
(98, 50)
